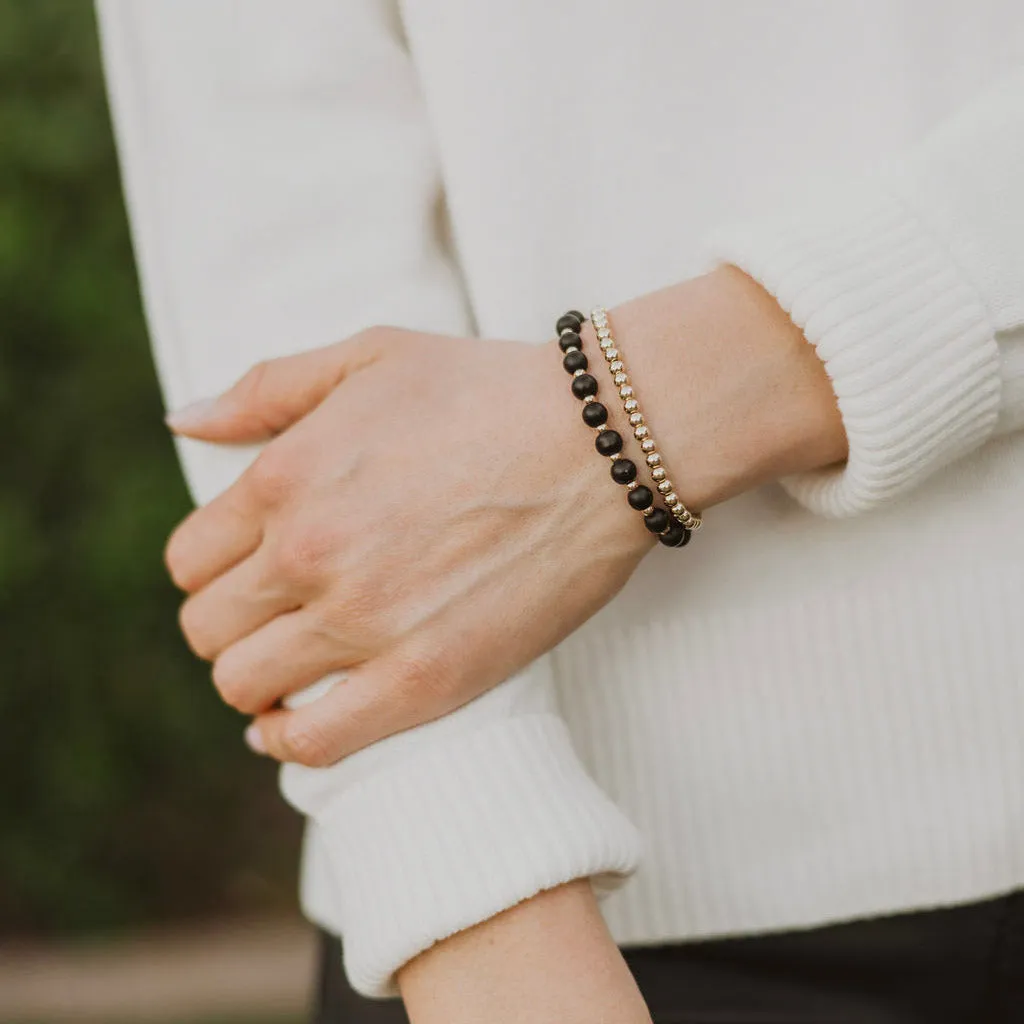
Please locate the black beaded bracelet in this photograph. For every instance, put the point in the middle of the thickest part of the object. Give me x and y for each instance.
(609, 442)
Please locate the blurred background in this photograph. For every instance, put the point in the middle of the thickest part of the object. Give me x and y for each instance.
(147, 865)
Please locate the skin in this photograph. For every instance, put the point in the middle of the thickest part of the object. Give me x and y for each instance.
(415, 490)
(549, 960)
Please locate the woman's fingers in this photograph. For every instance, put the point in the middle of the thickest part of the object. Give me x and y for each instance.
(287, 654)
(377, 699)
(237, 603)
(212, 539)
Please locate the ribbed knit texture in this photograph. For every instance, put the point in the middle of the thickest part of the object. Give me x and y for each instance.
(811, 715)
(499, 794)
(906, 340)
(880, 795)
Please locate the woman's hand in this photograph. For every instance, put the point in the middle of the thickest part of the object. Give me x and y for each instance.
(430, 515)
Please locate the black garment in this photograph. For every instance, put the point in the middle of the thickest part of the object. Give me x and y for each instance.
(963, 965)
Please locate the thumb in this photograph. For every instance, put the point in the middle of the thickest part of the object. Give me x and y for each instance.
(272, 395)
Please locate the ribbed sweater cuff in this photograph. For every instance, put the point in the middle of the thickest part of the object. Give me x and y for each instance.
(453, 836)
(905, 338)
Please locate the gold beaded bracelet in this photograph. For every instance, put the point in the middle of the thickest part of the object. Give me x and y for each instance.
(641, 431)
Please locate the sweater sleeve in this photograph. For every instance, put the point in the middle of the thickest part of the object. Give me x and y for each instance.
(283, 194)
(910, 283)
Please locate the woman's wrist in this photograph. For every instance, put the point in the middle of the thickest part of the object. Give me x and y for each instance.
(728, 383)
(548, 959)
(619, 529)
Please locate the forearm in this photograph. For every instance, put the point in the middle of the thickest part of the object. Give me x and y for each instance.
(728, 385)
(548, 959)
(735, 396)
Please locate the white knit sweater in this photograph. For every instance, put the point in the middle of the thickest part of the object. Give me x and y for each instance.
(815, 713)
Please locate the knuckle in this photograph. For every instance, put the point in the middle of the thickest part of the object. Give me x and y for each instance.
(301, 553)
(424, 678)
(233, 687)
(194, 627)
(252, 384)
(177, 561)
(333, 632)
(272, 476)
(306, 743)
(352, 609)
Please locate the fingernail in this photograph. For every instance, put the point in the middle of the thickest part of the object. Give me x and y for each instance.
(191, 415)
(254, 738)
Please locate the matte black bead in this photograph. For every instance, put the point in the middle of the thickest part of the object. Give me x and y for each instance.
(641, 497)
(608, 442)
(594, 414)
(676, 536)
(574, 361)
(584, 385)
(571, 321)
(657, 520)
(569, 340)
(623, 471)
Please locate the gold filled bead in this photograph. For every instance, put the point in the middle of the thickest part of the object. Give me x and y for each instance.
(679, 515)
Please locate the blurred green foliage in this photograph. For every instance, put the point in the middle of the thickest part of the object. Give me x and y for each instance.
(126, 794)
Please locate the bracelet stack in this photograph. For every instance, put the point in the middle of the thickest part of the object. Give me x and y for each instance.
(674, 524)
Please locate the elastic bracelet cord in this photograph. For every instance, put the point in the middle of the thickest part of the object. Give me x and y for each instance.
(608, 442)
(641, 430)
